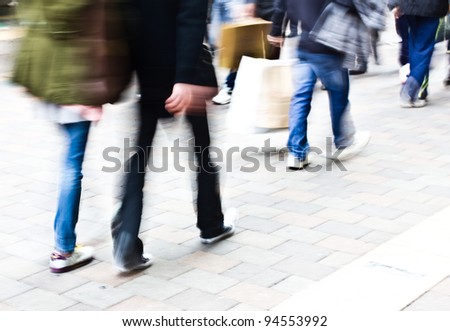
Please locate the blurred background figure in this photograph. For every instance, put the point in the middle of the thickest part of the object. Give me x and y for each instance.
(73, 60)
(423, 21)
(242, 9)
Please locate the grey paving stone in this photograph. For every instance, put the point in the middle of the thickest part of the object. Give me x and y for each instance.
(38, 299)
(254, 295)
(430, 301)
(196, 300)
(381, 212)
(257, 239)
(244, 271)
(17, 268)
(138, 303)
(310, 236)
(256, 256)
(338, 259)
(204, 281)
(298, 207)
(377, 237)
(152, 287)
(343, 229)
(166, 270)
(292, 284)
(97, 295)
(162, 249)
(56, 283)
(81, 307)
(259, 224)
(259, 199)
(30, 250)
(267, 278)
(300, 267)
(303, 250)
(11, 288)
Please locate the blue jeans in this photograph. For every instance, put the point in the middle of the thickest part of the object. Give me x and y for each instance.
(70, 187)
(422, 33)
(220, 14)
(328, 68)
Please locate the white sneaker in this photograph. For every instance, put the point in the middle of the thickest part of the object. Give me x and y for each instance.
(145, 261)
(223, 97)
(230, 217)
(360, 141)
(419, 103)
(296, 164)
(81, 256)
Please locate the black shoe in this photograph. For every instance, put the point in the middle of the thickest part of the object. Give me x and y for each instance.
(231, 216)
(144, 262)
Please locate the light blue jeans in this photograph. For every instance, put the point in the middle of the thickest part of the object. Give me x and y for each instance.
(70, 186)
(328, 68)
(221, 13)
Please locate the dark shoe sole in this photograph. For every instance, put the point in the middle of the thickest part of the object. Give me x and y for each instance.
(71, 267)
(222, 236)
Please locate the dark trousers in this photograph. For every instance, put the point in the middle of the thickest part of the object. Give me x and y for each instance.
(401, 25)
(128, 248)
(422, 33)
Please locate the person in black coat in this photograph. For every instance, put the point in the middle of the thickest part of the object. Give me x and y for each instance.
(166, 42)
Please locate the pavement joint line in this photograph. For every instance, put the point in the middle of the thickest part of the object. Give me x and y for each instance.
(387, 278)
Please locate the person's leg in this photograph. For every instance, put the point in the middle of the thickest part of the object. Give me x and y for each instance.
(402, 27)
(208, 204)
(70, 190)
(421, 46)
(304, 82)
(447, 79)
(330, 71)
(128, 248)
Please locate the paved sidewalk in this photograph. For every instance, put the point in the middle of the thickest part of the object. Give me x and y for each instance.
(295, 229)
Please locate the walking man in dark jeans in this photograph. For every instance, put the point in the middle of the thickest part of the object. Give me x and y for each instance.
(423, 21)
(166, 45)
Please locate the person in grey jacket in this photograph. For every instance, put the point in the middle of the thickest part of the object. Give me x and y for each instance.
(423, 20)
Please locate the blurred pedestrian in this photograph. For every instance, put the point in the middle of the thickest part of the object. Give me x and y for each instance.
(423, 21)
(315, 61)
(67, 63)
(251, 8)
(172, 81)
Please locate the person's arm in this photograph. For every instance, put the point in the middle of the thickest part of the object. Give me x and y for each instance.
(191, 30)
(275, 36)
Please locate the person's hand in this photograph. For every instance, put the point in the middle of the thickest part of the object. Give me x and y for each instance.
(249, 10)
(275, 41)
(189, 99)
(397, 12)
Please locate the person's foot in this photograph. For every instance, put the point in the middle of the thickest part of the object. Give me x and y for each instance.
(81, 256)
(360, 141)
(294, 163)
(145, 261)
(230, 218)
(418, 103)
(223, 97)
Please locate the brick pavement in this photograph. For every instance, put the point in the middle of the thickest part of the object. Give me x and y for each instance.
(295, 227)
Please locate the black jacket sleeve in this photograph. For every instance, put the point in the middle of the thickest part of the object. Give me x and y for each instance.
(278, 16)
(190, 32)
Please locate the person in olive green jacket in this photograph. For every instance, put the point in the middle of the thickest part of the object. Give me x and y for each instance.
(74, 60)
